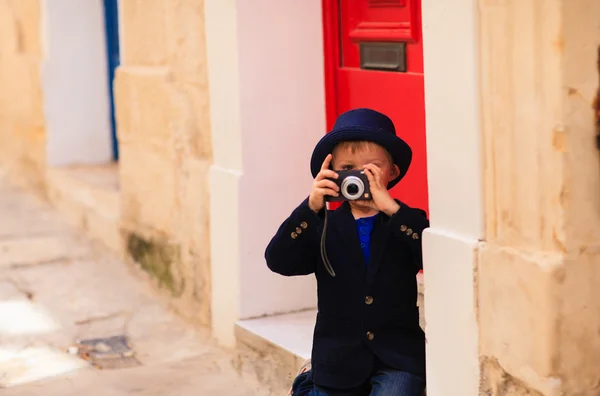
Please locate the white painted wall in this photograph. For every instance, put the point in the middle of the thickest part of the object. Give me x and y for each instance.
(283, 116)
(454, 152)
(74, 78)
(267, 113)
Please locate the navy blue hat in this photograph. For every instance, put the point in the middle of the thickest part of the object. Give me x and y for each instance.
(368, 125)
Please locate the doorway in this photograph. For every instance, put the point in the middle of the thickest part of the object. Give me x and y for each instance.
(75, 82)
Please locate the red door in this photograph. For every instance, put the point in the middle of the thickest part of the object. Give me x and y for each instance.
(374, 58)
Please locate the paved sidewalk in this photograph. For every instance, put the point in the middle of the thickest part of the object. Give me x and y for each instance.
(56, 287)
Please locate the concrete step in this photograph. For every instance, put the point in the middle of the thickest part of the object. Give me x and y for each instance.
(88, 198)
(270, 350)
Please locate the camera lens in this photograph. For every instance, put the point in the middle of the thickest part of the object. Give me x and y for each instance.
(352, 188)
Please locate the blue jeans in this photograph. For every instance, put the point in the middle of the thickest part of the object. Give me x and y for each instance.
(384, 382)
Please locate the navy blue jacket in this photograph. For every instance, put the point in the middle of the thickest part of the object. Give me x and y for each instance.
(366, 311)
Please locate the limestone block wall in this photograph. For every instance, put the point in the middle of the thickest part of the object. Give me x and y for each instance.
(22, 131)
(165, 147)
(538, 299)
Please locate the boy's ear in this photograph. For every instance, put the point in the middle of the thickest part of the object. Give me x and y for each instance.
(395, 171)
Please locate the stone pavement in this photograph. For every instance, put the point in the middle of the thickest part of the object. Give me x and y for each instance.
(56, 287)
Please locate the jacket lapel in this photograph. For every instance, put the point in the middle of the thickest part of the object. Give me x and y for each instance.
(379, 240)
(344, 224)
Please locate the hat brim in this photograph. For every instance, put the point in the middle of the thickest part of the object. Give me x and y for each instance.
(398, 148)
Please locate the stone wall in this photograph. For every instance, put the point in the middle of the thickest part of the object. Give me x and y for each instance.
(165, 147)
(22, 131)
(538, 299)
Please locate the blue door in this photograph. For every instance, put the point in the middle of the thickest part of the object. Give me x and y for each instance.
(111, 19)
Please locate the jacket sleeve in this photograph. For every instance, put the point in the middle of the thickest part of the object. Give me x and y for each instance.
(407, 225)
(294, 250)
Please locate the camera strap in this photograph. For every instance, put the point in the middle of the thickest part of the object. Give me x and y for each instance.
(324, 257)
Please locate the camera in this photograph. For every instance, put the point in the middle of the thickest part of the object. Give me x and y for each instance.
(354, 186)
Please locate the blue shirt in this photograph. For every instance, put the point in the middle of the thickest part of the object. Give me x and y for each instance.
(365, 227)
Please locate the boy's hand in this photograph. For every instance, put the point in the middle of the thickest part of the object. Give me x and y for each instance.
(322, 186)
(382, 200)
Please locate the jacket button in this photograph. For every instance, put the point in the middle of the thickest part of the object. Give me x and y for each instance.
(368, 300)
(294, 235)
(409, 232)
(298, 230)
(403, 228)
(370, 335)
(415, 236)
(304, 225)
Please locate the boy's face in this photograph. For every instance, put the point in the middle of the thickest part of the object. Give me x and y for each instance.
(355, 155)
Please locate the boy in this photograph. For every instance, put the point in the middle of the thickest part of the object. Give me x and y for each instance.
(367, 339)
